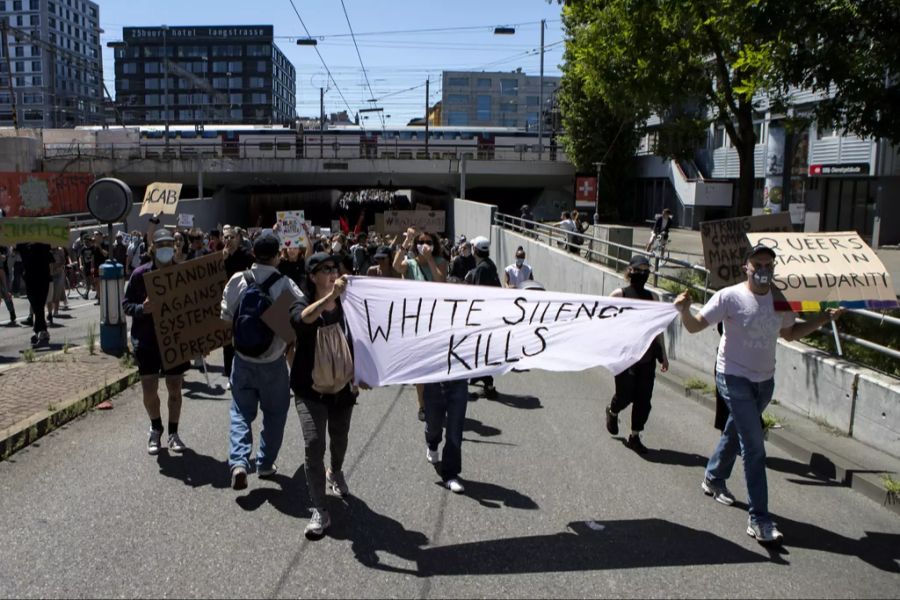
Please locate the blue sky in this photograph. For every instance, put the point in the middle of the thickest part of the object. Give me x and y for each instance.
(462, 38)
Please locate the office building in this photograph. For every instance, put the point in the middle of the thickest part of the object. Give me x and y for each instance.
(53, 53)
(494, 99)
(214, 74)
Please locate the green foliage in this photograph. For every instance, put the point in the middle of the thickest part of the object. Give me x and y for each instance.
(695, 383)
(770, 421)
(686, 278)
(891, 485)
(28, 355)
(127, 361)
(862, 327)
(92, 339)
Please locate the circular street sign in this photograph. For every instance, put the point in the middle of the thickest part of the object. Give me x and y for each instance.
(109, 200)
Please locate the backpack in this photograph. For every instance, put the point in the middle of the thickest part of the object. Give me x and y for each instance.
(252, 337)
(333, 363)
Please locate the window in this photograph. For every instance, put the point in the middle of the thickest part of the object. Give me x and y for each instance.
(509, 87)
(235, 66)
(35, 20)
(506, 107)
(261, 66)
(17, 5)
(34, 115)
(122, 84)
(226, 50)
(483, 108)
(259, 98)
(484, 83)
(532, 101)
(509, 123)
(151, 84)
(457, 99)
(257, 82)
(258, 50)
(151, 67)
(37, 81)
(719, 138)
(35, 51)
(220, 67)
(20, 67)
(34, 5)
(20, 51)
(236, 99)
(129, 68)
(457, 118)
(151, 99)
(36, 66)
(458, 81)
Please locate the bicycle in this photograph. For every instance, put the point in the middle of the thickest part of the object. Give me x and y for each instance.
(660, 247)
(75, 280)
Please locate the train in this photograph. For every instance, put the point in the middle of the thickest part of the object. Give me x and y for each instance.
(341, 142)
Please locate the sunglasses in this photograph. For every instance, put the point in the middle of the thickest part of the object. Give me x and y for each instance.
(426, 242)
(326, 270)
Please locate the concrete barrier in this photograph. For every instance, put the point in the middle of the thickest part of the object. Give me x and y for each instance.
(472, 218)
(856, 401)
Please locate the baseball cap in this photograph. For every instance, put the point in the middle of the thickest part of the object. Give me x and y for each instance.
(482, 244)
(162, 235)
(266, 244)
(530, 284)
(638, 260)
(753, 251)
(383, 252)
(318, 259)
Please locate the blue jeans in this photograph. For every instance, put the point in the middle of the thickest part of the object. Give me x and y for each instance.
(450, 399)
(746, 400)
(262, 385)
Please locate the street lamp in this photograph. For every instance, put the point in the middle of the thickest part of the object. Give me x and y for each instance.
(307, 42)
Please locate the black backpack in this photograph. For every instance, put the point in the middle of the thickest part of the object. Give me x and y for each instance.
(252, 337)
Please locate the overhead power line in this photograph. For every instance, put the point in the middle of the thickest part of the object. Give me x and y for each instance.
(362, 66)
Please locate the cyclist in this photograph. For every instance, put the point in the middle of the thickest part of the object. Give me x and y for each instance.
(661, 228)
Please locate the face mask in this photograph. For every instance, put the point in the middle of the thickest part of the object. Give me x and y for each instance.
(639, 279)
(165, 255)
(421, 248)
(520, 262)
(336, 247)
(762, 276)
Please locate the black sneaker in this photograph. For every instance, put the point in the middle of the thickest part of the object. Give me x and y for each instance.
(490, 392)
(612, 421)
(50, 318)
(634, 442)
(422, 414)
(29, 322)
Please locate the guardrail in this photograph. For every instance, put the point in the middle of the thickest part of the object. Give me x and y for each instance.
(599, 250)
(307, 147)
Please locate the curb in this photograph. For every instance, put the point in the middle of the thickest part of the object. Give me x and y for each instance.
(25, 432)
(820, 461)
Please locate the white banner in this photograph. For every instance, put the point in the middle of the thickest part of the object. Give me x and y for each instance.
(422, 332)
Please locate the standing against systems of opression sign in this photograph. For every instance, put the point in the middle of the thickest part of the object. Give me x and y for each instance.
(745, 371)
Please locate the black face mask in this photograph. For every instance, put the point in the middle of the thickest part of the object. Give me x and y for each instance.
(639, 279)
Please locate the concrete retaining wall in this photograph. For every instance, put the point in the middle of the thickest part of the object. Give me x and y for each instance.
(851, 399)
(471, 218)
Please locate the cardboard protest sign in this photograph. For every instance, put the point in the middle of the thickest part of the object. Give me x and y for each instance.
(186, 302)
(398, 221)
(725, 244)
(814, 271)
(278, 317)
(408, 331)
(19, 230)
(290, 228)
(161, 198)
(185, 220)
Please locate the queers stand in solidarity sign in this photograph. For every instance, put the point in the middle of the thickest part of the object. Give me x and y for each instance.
(423, 332)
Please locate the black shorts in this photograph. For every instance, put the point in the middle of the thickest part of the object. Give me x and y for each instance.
(149, 361)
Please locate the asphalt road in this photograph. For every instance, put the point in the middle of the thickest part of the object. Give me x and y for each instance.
(555, 507)
(70, 327)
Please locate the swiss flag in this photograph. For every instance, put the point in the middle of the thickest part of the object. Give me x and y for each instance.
(586, 188)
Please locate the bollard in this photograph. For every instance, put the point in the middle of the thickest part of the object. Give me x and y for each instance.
(112, 319)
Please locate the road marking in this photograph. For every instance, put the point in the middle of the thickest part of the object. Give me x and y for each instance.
(71, 308)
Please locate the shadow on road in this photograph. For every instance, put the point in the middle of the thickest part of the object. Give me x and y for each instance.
(195, 470)
(370, 532)
(491, 495)
(291, 498)
(476, 426)
(619, 545)
(881, 550)
(524, 402)
(198, 390)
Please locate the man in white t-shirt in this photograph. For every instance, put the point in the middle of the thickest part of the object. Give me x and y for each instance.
(745, 371)
(569, 225)
(519, 271)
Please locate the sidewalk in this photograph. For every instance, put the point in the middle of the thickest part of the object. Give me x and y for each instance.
(40, 396)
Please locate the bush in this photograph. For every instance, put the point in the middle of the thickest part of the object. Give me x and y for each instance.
(868, 329)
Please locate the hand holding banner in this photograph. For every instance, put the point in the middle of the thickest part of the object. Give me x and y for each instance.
(423, 332)
(814, 271)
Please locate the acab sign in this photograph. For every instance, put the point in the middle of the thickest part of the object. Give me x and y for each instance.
(161, 198)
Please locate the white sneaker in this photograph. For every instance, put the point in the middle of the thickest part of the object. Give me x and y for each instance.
(227, 386)
(455, 486)
(433, 456)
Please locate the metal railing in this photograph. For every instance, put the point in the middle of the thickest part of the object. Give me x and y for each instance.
(617, 256)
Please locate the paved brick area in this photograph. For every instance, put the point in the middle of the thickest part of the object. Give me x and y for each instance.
(54, 379)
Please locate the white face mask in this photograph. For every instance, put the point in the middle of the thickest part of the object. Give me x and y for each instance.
(421, 248)
(165, 255)
(336, 247)
(520, 262)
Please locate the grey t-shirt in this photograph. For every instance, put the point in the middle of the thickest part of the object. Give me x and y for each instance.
(752, 327)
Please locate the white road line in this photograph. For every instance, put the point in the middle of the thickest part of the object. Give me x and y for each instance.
(71, 308)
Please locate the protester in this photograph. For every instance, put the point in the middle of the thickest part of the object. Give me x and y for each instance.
(663, 223)
(526, 215)
(416, 260)
(237, 259)
(120, 250)
(462, 264)
(321, 378)
(484, 273)
(36, 259)
(136, 250)
(57, 291)
(580, 228)
(85, 256)
(215, 241)
(360, 253)
(519, 271)
(259, 378)
(568, 224)
(383, 266)
(634, 385)
(197, 248)
(745, 370)
(101, 253)
(146, 350)
(5, 291)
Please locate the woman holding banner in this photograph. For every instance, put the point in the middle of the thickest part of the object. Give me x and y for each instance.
(321, 378)
(417, 260)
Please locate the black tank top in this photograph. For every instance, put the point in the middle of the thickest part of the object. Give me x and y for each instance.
(632, 294)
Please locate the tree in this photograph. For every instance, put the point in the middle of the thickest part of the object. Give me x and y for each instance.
(724, 58)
